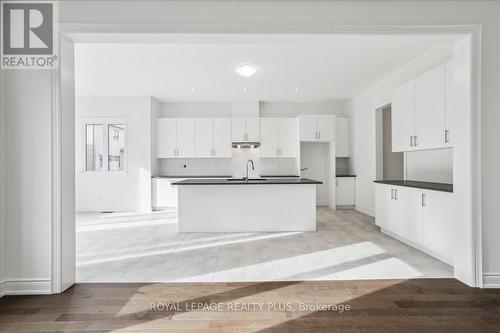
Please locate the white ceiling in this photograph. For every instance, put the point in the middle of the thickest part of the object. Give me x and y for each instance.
(201, 68)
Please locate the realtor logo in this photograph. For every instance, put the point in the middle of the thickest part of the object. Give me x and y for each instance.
(28, 35)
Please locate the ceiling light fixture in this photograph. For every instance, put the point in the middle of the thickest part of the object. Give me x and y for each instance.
(296, 89)
(245, 89)
(246, 69)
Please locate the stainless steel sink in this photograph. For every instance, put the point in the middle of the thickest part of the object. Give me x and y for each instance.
(243, 180)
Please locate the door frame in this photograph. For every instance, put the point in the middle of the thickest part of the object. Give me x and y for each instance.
(473, 31)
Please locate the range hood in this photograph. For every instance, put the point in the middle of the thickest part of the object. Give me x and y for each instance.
(246, 145)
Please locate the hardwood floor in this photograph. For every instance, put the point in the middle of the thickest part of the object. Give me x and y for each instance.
(414, 305)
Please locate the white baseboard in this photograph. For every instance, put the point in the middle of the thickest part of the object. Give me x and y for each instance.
(364, 210)
(419, 247)
(25, 287)
(491, 280)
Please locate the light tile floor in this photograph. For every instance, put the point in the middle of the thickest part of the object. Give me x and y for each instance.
(135, 247)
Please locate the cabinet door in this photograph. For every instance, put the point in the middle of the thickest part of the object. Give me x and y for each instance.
(269, 129)
(167, 137)
(238, 129)
(185, 137)
(437, 223)
(430, 109)
(288, 139)
(384, 207)
(222, 137)
(342, 137)
(162, 193)
(345, 191)
(408, 219)
(308, 128)
(252, 125)
(449, 98)
(204, 137)
(403, 117)
(326, 128)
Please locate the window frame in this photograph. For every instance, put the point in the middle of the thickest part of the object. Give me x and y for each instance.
(105, 122)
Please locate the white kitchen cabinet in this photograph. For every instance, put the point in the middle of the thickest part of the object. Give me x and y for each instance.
(279, 137)
(175, 137)
(408, 214)
(384, 207)
(345, 191)
(164, 194)
(222, 137)
(269, 132)
(317, 128)
(167, 138)
(422, 218)
(342, 148)
(246, 129)
(288, 137)
(437, 223)
(204, 135)
(213, 137)
(422, 111)
(185, 137)
(308, 128)
(449, 98)
(430, 109)
(403, 117)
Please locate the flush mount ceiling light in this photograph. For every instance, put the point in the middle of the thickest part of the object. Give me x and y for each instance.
(246, 69)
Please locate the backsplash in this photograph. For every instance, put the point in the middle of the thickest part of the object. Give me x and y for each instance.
(235, 166)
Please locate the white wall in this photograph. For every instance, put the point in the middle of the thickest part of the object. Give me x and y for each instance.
(155, 113)
(362, 110)
(430, 165)
(293, 109)
(129, 191)
(26, 230)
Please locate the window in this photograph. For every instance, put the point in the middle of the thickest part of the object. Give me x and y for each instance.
(104, 146)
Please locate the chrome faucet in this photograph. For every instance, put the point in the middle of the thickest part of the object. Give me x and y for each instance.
(253, 168)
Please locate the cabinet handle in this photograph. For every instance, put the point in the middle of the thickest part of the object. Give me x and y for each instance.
(245, 137)
(411, 141)
(395, 194)
(423, 199)
(446, 136)
(415, 140)
(392, 194)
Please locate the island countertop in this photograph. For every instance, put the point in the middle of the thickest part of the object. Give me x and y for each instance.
(255, 181)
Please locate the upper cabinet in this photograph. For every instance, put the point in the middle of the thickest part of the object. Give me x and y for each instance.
(245, 129)
(176, 137)
(278, 137)
(342, 137)
(420, 111)
(318, 128)
(213, 137)
(403, 117)
(189, 137)
(430, 110)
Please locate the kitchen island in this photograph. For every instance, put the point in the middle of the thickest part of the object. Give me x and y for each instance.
(256, 205)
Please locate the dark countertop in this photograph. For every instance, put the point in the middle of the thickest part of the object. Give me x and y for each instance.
(278, 176)
(195, 176)
(272, 181)
(416, 184)
(345, 175)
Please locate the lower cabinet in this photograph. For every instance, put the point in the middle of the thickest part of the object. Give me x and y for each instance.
(345, 191)
(164, 194)
(421, 218)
